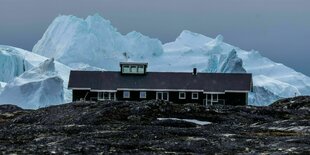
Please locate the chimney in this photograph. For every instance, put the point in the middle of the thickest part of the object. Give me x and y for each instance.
(194, 71)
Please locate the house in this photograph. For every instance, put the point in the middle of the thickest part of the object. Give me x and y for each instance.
(134, 83)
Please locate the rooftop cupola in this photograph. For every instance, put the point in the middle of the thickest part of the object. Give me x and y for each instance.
(133, 67)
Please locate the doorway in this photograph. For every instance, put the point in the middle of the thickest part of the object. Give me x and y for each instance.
(106, 96)
(162, 96)
(211, 98)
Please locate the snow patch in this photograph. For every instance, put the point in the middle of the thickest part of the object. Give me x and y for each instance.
(186, 120)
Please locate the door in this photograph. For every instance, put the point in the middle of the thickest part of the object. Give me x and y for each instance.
(162, 96)
(211, 98)
(106, 96)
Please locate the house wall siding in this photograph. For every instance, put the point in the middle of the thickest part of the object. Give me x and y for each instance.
(151, 95)
(81, 94)
(236, 98)
(230, 98)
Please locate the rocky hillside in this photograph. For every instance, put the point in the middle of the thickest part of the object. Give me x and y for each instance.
(156, 127)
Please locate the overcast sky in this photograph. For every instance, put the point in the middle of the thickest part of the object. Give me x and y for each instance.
(279, 29)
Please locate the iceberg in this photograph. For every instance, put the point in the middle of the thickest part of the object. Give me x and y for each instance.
(94, 43)
(26, 61)
(38, 87)
(262, 96)
(271, 80)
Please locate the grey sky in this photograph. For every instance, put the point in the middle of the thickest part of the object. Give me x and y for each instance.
(279, 29)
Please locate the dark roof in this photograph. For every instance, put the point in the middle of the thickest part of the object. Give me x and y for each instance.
(133, 63)
(210, 82)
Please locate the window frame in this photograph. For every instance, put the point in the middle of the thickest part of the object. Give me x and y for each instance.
(141, 96)
(215, 96)
(125, 96)
(162, 95)
(126, 67)
(133, 69)
(139, 69)
(195, 98)
(180, 97)
(100, 96)
(110, 96)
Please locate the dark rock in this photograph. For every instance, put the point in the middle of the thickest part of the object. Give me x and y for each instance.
(134, 128)
(300, 102)
(8, 108)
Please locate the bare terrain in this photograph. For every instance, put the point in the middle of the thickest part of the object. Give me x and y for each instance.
(136, 127)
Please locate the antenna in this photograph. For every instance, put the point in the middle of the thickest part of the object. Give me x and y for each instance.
(126, 56)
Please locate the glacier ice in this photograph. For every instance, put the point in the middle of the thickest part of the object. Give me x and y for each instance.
(262, 96)
(84, 67)
(11, 64)
(2, 85)
(30, 60)
(272, 79)
(38, 87)
(232, 64)
(96, 43)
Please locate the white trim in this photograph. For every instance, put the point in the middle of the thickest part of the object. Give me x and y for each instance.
(142, 96)
(236, 91)
(195, 98)
(217, 98)
(95, 90)
(214, 92)
(126, 96)
(213, 98)
(132, 89)
(179, 90)
(80, 88)
(182, 93)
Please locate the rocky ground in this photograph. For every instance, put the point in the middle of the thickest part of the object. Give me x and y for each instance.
(144, 128)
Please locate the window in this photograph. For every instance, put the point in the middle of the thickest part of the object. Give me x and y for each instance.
(126, 94)
(195, 96)
(126, 69)
(112, 96)
(100, 95)
(209, 97)
(133, 69)
(215, 97)
(142, 94)
(162, 96)
(182, 95)
(140, 69)
(106, 96)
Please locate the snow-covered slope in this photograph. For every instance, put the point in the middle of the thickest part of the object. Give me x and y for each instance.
(35, 88)
(95, 42)
(27, 60)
